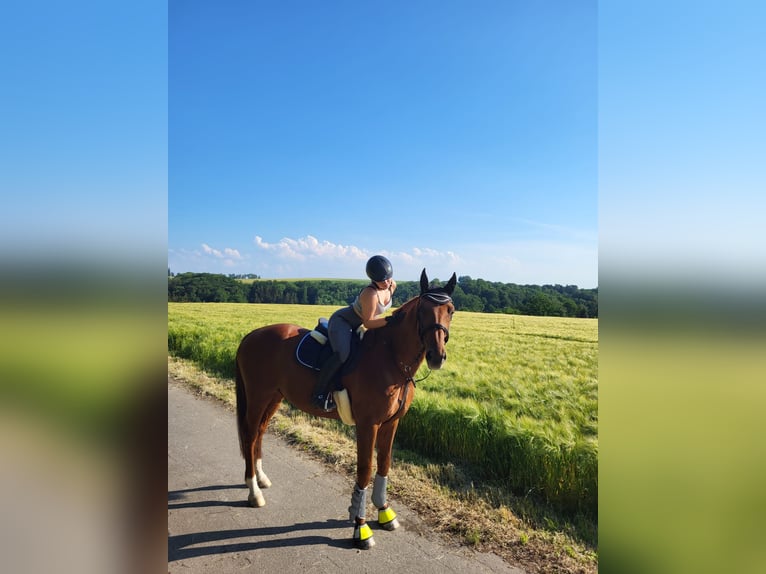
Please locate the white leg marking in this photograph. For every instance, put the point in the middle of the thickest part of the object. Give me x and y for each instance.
(255, 497)
(263, 480)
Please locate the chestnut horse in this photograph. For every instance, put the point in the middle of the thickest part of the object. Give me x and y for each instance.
(380, 388)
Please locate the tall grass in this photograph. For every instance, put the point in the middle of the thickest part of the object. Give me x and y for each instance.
(517, 397)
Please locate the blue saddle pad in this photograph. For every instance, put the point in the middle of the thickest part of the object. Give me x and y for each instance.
(312, 353)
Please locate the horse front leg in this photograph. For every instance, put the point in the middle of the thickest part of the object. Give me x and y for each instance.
(365, 443)
(386, 515)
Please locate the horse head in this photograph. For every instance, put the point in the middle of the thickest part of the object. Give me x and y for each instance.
(435, 310)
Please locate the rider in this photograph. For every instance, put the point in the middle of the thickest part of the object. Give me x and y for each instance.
(372, 302)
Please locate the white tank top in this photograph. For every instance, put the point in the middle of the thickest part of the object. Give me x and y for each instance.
(379, 307)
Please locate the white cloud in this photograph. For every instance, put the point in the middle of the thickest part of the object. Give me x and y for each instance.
(311, 257)
(227, 253)
(535, 262)
(309, 247)
(409, 264)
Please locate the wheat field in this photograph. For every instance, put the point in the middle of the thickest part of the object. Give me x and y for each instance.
(517, 398)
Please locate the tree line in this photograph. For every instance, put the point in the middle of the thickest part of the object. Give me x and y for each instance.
(469, 294)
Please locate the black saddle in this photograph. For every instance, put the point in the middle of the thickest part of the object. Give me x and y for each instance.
(314, 349)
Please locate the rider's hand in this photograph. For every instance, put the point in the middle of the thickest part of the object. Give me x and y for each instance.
(394, 319)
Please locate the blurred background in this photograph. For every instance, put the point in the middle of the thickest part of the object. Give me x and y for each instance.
(83, 262)
(682, 271)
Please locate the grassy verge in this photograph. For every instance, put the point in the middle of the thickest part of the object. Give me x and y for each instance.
(452, 499)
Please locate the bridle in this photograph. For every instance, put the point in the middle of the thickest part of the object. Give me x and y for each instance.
(439, 299)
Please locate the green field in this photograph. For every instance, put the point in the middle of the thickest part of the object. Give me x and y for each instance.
(516, 400)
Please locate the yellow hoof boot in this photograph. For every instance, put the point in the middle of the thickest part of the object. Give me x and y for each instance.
(387, 518)
(363, 537)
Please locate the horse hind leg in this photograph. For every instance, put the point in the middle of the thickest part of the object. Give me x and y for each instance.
(251, 450)
(261, 479)
(255, 496)
(255, 478)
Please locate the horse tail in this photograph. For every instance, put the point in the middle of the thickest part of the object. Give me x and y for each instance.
(242, 426)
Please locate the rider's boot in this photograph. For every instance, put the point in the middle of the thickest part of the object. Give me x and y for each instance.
(321, 397)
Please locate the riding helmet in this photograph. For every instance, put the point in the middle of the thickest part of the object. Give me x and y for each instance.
(379, 268)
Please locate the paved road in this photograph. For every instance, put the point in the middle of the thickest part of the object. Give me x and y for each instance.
(304, 526)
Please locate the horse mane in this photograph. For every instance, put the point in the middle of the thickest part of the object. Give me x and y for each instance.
(404, 307)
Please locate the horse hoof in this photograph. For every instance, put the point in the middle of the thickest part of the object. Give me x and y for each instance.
(364, 544)
(392, 525)
(264, 482)
(256, 501)
(387, 519)
(363, 539)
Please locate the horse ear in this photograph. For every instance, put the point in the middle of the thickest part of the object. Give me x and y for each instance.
(450, 286)
(423, 281)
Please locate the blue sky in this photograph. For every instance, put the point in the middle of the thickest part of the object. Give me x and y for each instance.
(304, 137)
(83, 118)
(682, 153)
(482, 142)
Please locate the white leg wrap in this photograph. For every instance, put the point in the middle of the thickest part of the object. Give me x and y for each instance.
(260, 476)
(255, 498)
(358, 504)
(379, 491)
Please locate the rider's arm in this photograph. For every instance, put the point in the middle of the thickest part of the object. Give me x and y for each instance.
(369, 300)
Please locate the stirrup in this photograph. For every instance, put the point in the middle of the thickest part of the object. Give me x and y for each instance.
(326, 403)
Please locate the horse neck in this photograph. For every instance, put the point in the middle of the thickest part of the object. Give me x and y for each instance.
(406, 340)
